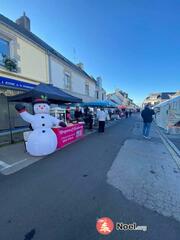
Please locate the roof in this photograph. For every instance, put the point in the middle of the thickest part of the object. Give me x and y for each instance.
(33, 38)
(177, 98)
(162, 95)
(166, 95)
(153, 95)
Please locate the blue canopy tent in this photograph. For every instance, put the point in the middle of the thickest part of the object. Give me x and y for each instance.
(104, 104)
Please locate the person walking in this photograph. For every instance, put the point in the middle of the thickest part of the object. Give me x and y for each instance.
(147, 115)
(126, 113)
(101, 116)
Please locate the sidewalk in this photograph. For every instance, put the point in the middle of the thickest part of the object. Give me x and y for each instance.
(172, 143)
(145, 172)
(175, 140)
(14, 157)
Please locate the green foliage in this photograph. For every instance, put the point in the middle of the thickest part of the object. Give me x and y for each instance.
(10, 64)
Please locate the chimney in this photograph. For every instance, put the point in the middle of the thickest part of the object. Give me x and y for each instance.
(24, 22)
(81, 65)
(99, 81)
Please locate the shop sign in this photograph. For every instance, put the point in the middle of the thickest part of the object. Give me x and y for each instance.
(8, 82)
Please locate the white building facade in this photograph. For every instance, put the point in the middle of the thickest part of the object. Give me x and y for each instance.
(100, 92)
(72, 79)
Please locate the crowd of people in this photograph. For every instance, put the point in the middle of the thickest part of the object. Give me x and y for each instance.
(99, 116)
(95, 116)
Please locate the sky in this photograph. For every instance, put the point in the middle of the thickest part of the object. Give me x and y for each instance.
(134, 45)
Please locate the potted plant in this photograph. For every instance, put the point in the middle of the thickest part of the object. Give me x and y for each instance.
(10, 64)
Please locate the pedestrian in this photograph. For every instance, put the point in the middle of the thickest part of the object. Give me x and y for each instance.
(86, 111)
(68, 114)
(90, 120)
(130, 113)
(110, 114)
(147, 115)
(77, 114)
(101, 115)
(126, 113)
(85, 115)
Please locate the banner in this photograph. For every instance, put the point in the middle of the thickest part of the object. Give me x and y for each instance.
(68, 134)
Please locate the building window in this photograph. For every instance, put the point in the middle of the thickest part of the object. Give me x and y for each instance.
(102, 96)
(87, 89)
(4, 49)
(97, 95)
(67, 81)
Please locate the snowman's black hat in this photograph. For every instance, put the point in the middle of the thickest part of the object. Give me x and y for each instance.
(41, 100)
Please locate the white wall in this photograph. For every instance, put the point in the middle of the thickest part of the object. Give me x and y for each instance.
(102, 94)
(32, 60)
(56, 73)
(168, 113)
(78, 81)
(116, 99)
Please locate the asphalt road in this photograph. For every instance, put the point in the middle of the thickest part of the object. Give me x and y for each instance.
(61, 197)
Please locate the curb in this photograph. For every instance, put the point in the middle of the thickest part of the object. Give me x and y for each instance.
(174, 151)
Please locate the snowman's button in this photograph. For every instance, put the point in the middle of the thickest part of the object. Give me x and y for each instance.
(43, 124)
(43, 131)
(42, 116)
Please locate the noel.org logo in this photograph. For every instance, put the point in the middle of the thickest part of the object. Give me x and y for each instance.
(105, 226)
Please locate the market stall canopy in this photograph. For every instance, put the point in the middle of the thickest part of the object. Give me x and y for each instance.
(105, 104)
(111, 104)
(122, 107)
(53, 94)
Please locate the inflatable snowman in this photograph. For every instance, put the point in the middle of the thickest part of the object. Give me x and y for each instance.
(42, 140)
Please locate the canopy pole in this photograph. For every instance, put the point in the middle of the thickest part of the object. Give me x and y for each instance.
(10, 126)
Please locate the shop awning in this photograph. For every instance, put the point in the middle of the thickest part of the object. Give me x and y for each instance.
(53, 94)
(122, 107)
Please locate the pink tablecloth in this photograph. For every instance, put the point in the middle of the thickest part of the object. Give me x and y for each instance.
(69, 134)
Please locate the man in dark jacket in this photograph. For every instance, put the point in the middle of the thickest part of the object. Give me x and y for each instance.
(147, 115)
(77, 114)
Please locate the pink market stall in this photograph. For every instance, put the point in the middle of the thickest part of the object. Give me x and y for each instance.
(48, 132)
(68, 134)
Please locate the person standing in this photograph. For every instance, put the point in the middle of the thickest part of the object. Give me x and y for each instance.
(68, 114)
(101, 115)
(126, 113)
(147, 115)
(77, 114)
(110, 114)
(90, 120)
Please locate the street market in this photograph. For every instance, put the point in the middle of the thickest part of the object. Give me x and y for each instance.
(90, 120)
(67, 125)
